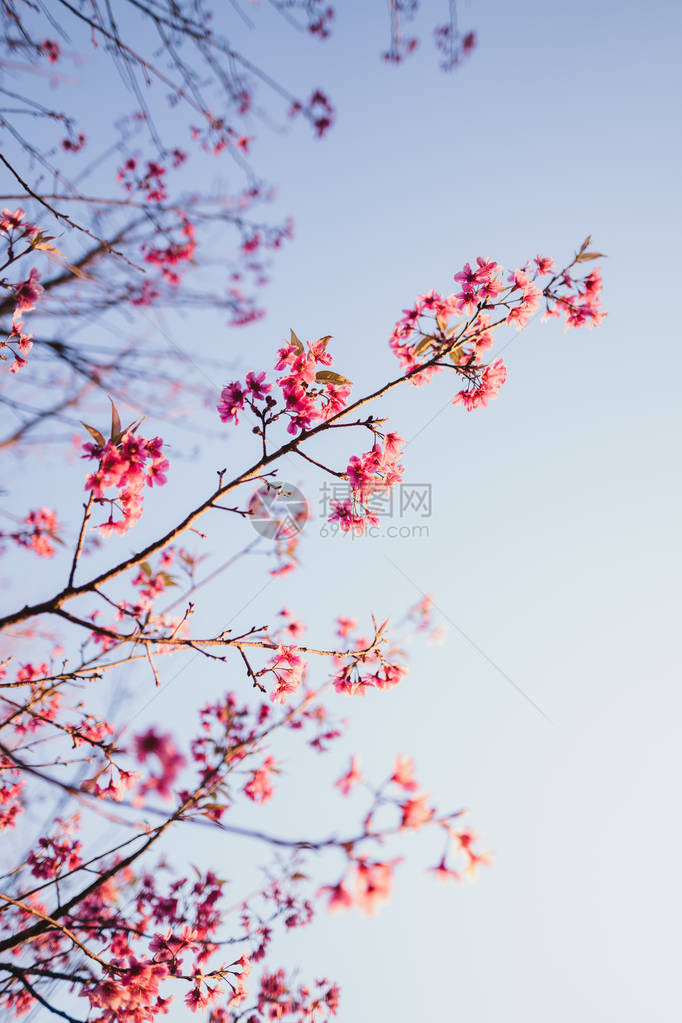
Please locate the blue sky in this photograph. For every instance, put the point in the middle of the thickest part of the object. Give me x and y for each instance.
(554, 540)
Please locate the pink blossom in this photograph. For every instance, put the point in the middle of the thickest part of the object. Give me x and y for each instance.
(256, 387)
(288, 668)
(403, 773)
(231, 402)
(443, 872)
(11, 221)
(27, 292)
(171, 761)
(339, 897)
(351, 778)
(344, 625)
(258, 787)
(51, 49)
(488, 387)
(545, 264)
(123, 464)
(416, 812)
(373, 884)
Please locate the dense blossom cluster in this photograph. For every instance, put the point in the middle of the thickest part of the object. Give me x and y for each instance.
(309, 394)
(426, 340)
(375, 472)
(126, 462)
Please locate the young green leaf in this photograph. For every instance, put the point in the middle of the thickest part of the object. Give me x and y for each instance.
(115, 423)
(584, 257)
(326, 376)
(296, 343)
(95, 434)
(424, 344)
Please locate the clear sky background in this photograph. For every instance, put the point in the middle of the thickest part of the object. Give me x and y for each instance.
(554, 540)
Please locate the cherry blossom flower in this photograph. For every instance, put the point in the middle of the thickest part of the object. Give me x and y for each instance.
(339, 896)
(51, 49)
(258, 787)
(171, 761)
(354, 775)
(416, 812)
(288, 668)
(28, 292)
(403, 773)
(373, 884)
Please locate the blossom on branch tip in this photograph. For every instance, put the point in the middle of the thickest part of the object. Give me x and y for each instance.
(403, 773)
(487, 387)
(288, 668)
(126, 463)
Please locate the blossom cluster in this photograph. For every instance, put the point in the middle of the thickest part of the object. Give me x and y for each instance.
(126, 463)
(38, 532)
(369, 884)
(11, 785)
(57, 852)
(170, 257)
(288, 667)
(309, 394)
(150, 179)
(280, 999)
(453, 46)
(41, 709)
(375, 472)
(216, 135)
(366, 884)
(426, 341)
(161, 746)
(51, 49)
(23, 294)
(234, 396)
(318, 110)
(367, 664)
